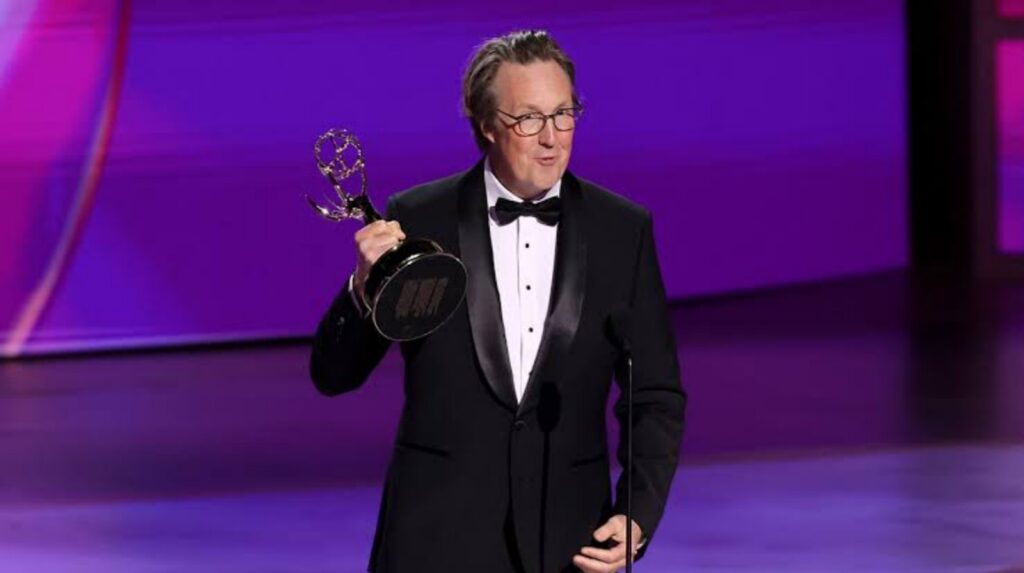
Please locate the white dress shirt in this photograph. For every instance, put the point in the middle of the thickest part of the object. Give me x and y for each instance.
(524, 263)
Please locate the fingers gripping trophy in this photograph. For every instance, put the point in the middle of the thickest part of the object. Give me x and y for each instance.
(413, 288)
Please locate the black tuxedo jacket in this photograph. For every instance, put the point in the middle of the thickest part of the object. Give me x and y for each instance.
(477, 481)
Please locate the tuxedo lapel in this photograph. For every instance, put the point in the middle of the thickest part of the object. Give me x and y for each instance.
(567, 291)
(481, 289)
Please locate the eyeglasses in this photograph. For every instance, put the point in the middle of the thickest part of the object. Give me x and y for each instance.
(533, 123)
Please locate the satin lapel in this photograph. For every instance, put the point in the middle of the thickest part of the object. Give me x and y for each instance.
(567, 291)
(481, 290)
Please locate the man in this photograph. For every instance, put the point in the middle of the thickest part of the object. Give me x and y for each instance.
(501, 462)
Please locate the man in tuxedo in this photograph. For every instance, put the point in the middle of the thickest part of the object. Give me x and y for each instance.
(500, 462)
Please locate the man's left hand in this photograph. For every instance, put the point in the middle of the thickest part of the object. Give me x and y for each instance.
(596, 560)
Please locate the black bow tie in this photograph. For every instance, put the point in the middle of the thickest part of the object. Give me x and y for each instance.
(546, 211)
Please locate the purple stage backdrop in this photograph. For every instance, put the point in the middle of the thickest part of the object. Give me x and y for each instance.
(154, 155)
(1010, 105)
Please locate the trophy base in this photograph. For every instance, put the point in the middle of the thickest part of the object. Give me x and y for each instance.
(414, 289)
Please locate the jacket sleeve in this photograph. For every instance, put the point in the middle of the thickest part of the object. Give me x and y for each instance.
(346, 346)
(658, 398)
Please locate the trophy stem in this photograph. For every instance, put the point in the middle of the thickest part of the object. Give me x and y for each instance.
(361, 201)
(370, 214)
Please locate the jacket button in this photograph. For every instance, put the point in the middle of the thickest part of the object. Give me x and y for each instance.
(519, 425)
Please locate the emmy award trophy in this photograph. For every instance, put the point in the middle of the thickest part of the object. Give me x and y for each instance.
(415, 287)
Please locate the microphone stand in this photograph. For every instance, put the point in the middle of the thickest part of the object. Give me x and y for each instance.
(629, 461)
(620, 330)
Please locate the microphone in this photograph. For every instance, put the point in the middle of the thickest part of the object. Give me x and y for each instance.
(620, 330)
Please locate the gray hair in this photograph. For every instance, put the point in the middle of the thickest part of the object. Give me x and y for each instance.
(520, 47)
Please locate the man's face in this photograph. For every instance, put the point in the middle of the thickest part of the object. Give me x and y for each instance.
(529, 165)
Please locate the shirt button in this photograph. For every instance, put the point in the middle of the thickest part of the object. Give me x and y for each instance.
(527, 245)
(531, 329)
(527, 287)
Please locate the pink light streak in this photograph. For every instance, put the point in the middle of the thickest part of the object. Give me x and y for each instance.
(84, 198)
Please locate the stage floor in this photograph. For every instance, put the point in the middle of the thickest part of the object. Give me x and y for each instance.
(872, 424)
(956, 508)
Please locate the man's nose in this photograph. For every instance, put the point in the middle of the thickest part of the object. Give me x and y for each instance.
(546, 137)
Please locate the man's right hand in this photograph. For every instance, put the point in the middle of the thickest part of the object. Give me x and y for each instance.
(372, 241)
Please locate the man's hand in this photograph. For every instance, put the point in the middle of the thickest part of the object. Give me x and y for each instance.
(596, 560)
(372, 241)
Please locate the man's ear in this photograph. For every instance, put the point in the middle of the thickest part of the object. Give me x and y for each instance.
(487, 129)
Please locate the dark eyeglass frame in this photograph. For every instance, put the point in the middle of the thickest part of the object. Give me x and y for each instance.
(517, 120)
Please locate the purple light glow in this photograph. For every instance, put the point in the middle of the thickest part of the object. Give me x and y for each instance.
(1011, 8)
(1010, 103)
(777, 153)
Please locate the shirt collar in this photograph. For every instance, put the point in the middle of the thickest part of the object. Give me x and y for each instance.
(495, 190)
